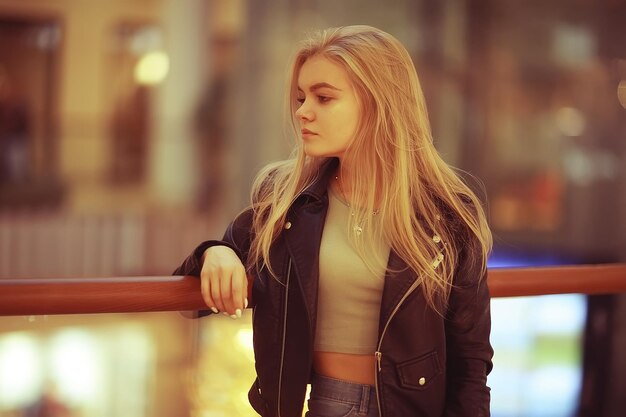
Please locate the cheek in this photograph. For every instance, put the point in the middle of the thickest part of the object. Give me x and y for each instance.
(345, 124)
(349, 126)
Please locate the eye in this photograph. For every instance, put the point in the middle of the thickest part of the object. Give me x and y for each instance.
(300, 100)
(323, 99)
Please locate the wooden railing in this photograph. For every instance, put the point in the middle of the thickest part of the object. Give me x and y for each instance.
(177, 293)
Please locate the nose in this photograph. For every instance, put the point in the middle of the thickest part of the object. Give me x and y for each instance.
(304, 113)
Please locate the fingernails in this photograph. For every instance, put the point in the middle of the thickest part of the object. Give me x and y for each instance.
(245, 303)
(233, 316)
(225, 313)
(238, 313)
(215, 310)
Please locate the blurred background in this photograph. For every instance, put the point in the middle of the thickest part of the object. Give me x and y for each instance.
(131, 130)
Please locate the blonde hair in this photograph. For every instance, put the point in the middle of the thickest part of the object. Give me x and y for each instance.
(417, 193)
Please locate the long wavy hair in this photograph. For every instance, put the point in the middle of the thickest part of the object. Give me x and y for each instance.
(417, 195)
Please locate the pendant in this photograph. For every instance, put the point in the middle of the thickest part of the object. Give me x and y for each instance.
(358, 230)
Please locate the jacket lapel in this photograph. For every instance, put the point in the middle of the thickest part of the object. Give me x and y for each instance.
(398, 280)
(303, 237)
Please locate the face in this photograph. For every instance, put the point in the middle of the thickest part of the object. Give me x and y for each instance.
(329, 110)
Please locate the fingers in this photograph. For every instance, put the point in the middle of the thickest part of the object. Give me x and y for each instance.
(223, 283)
(206, 294)
(214, 289)
(232, 284)
(239, 290)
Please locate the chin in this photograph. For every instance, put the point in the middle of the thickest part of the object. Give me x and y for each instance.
(312, 152)
(316, 152)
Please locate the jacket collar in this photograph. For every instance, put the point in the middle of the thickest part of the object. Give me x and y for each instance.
(317, 189)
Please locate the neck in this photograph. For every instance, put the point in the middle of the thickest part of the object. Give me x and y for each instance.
(342, 180)
(342, 184)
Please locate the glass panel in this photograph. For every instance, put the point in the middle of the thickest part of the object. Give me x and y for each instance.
(538, 343)
(153, 364)
(538, 355)
(225, 367)
(133, 365)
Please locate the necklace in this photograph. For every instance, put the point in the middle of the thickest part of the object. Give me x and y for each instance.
(358, 228)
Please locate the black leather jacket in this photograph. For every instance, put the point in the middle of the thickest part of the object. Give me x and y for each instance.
(427, 365)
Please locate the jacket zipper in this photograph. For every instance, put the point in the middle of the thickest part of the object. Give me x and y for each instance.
(378, 353)
(282, 354)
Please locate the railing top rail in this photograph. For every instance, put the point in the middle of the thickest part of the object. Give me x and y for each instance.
(178, 293)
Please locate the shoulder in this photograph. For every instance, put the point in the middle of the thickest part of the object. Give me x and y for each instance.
(466, 226)
(455, 218)
(269, 177)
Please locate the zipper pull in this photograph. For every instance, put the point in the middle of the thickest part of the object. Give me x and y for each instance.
(378, 355)
(437, 260)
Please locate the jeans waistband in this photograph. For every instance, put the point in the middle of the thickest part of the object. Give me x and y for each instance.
(340, 390)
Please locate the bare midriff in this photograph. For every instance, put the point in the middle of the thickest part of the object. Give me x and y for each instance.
(346, 366)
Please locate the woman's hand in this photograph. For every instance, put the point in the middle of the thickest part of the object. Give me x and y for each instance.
(223, 281)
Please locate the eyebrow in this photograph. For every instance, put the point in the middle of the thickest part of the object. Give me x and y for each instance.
(317, 86)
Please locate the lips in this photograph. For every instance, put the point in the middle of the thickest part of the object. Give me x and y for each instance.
(308, 132)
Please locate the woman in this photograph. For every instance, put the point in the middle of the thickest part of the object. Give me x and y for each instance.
(366, 252)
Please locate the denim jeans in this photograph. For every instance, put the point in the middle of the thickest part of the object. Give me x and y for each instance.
(336, 398)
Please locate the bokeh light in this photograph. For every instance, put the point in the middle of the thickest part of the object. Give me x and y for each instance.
(152, 68)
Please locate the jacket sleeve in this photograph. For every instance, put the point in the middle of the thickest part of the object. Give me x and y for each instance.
(468, 326)
(237, 237)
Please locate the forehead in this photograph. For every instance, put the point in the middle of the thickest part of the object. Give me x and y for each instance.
(318, 69)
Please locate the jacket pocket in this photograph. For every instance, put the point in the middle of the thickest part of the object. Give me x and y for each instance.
(419, 373)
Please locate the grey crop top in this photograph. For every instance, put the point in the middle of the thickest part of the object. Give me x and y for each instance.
(349, 293)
